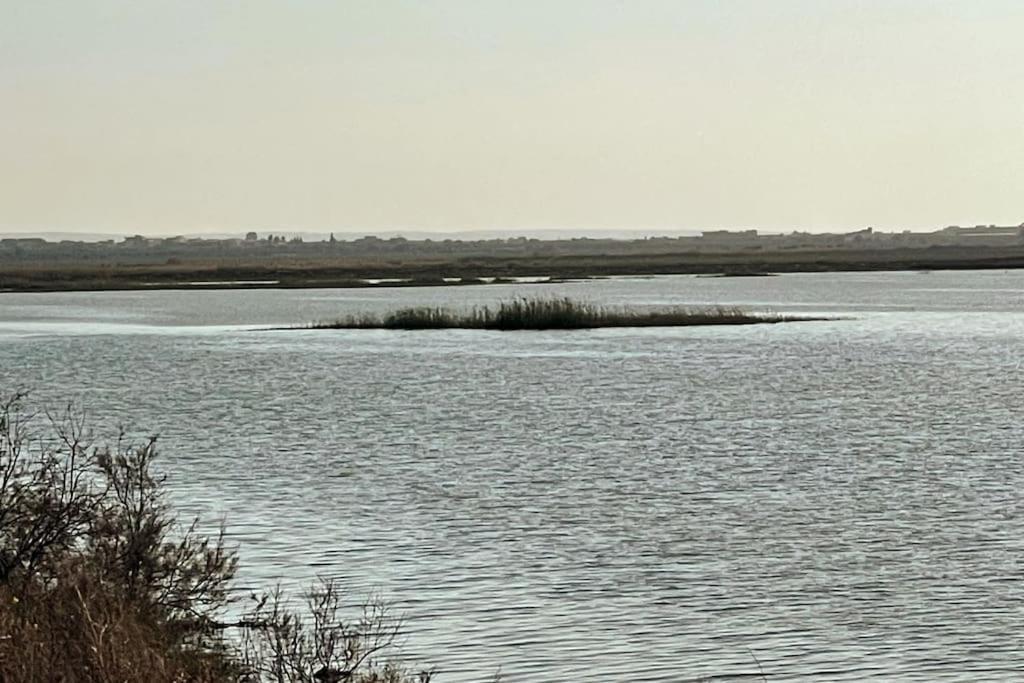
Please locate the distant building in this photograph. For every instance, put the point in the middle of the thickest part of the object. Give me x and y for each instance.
(140, 241)
(859, 235)
(729, 235)
(979, 235)
(983, 231)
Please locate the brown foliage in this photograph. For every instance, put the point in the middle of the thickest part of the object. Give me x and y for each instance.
(100, 583)
(81, 628)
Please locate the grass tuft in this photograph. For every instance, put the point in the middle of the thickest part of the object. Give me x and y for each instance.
(552, 314)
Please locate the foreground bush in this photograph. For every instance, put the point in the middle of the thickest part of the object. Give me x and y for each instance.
(552, 314)
(99, 582)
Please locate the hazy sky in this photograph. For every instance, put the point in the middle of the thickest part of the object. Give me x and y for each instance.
(184, 116)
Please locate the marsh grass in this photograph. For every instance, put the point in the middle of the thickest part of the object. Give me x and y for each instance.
(551, 314)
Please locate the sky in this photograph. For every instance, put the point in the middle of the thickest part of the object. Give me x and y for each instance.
(191, 116)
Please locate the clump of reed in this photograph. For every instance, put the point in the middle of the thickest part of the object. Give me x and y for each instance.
(552, 314)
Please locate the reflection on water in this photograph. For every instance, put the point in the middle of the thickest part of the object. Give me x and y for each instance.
(839, 499)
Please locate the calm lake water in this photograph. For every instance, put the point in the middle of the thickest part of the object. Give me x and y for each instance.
(842, 500)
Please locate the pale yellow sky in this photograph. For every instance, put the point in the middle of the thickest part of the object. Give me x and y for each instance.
(205, 115)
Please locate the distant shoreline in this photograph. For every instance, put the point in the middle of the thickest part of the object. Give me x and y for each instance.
(341, 272)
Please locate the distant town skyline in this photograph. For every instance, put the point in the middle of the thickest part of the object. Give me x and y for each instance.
(625, 234)
(655, 116)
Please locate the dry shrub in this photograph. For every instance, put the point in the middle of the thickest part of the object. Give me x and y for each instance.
(318, 644)
(81, 628)
(100, 583)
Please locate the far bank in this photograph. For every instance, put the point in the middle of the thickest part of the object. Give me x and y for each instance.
(336, 270)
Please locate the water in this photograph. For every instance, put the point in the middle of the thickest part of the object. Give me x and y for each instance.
(836, 500)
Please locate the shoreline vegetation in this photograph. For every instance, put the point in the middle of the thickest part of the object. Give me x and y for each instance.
(101, 582)
(550, 314)
(340, 270)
